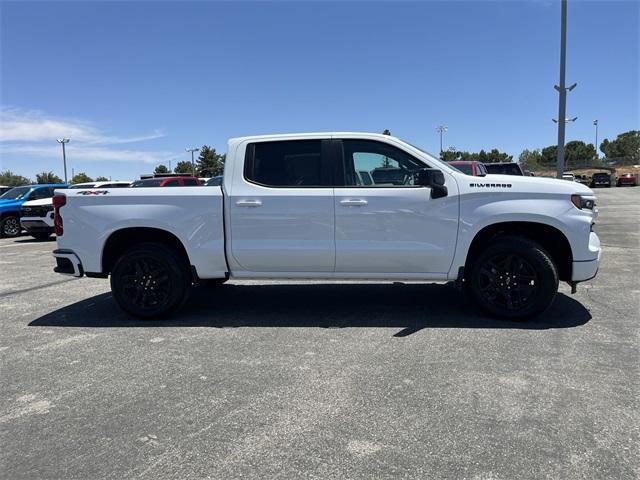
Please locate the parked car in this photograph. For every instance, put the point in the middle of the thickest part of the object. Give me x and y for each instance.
(290, 206)
(583, 179)
(506, 168)
(36, 216)
(104, 184)
(167, 182)
(627, 179)
(476, 169)
(601, 179)
(569, 176)
(11, 202)
(214, 181)
(4, 189)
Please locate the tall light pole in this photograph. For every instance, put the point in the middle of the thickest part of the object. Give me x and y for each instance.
(562, 90)
(63, 141)
(441, 129)
(595, 123)
(193, 164)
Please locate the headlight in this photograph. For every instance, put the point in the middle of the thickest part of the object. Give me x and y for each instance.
(584, 202)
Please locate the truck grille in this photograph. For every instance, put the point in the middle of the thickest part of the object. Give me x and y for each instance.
(39, 211)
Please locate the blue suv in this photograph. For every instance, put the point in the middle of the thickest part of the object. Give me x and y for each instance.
(11, 201)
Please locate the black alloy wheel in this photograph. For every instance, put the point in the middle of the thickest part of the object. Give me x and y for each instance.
(514, 278)
(150, 281)
(508, 282)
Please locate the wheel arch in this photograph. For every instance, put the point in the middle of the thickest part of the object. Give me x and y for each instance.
(548, 237)
(125, 238)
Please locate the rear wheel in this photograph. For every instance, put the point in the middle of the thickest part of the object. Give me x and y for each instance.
(514, 278)
(10, 226)
(150, 281)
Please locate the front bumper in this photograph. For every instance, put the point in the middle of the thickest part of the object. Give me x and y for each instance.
(67, 263)
(587, 269)
(36, 226)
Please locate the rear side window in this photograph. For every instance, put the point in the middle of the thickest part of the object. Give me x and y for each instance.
(172, 183)
(296, 163)
(190, 182)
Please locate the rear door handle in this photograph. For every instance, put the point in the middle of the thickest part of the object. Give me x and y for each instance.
(249, 203)
(353, 202)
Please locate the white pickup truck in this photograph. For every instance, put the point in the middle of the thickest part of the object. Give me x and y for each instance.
(333, 206)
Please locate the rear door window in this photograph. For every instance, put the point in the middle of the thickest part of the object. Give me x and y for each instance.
(295, 163)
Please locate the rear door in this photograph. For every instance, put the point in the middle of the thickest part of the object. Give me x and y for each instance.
(391, 225)
(281, 212)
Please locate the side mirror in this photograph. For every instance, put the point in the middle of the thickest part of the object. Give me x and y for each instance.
(432, 178)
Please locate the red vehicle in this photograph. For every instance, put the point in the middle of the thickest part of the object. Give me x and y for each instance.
(173, 181)
(628, 179)
(476, 169)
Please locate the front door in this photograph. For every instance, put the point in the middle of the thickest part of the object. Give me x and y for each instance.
(281, 208)
(385, 223)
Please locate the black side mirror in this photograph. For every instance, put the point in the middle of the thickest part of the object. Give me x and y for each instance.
(432, 178)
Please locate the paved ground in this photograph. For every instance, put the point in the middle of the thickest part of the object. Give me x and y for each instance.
(325, 381)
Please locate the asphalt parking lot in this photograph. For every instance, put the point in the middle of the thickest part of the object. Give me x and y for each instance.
(326, 381)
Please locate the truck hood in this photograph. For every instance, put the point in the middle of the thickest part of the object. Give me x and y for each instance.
(39, 202)
(10, 204)
(537, 184)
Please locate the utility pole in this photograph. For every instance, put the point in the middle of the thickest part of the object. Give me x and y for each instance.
(441, 129)
(63, 142)
(193, 164)
(595, 123)
(562, 90)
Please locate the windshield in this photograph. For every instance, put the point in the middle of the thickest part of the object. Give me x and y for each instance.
(418, 148)
(148, 183)
(16, 193)
(464, 168)
(83, 185)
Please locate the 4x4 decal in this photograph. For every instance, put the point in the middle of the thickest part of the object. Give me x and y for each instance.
(93, 192)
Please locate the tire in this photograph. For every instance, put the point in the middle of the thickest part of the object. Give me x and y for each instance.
(10, 227)
(514, 279)
(40, 236)
(150, 281)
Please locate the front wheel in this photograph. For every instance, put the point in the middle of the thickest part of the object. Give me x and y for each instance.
(150, 281)
(514, 278)
(10, 227)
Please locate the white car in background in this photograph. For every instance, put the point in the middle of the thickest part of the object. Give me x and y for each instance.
(36, 216)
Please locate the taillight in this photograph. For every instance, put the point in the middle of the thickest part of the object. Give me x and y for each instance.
(58, 201)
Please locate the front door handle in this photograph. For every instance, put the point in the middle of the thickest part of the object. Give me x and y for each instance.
(249, 203)
(353, 202)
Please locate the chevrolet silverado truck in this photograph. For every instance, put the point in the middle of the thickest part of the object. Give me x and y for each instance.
(298, 207)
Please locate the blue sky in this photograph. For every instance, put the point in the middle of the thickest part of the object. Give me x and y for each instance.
(134, 83)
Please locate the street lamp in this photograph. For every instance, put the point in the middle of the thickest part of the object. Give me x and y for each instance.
(562, 90)
(441, 129)
(595, 123)
(193, 165)
(63, 141)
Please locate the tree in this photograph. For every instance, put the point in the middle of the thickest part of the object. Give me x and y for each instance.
(626, 146)
(81, 178)
(576, 154)
(161, 169)
(10, 179)
(102, 179)
(494, 156)
(209, 163)
(48, 177)
(530, 160)
(183, 167)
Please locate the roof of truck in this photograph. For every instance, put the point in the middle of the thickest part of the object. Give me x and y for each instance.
(313, 135)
